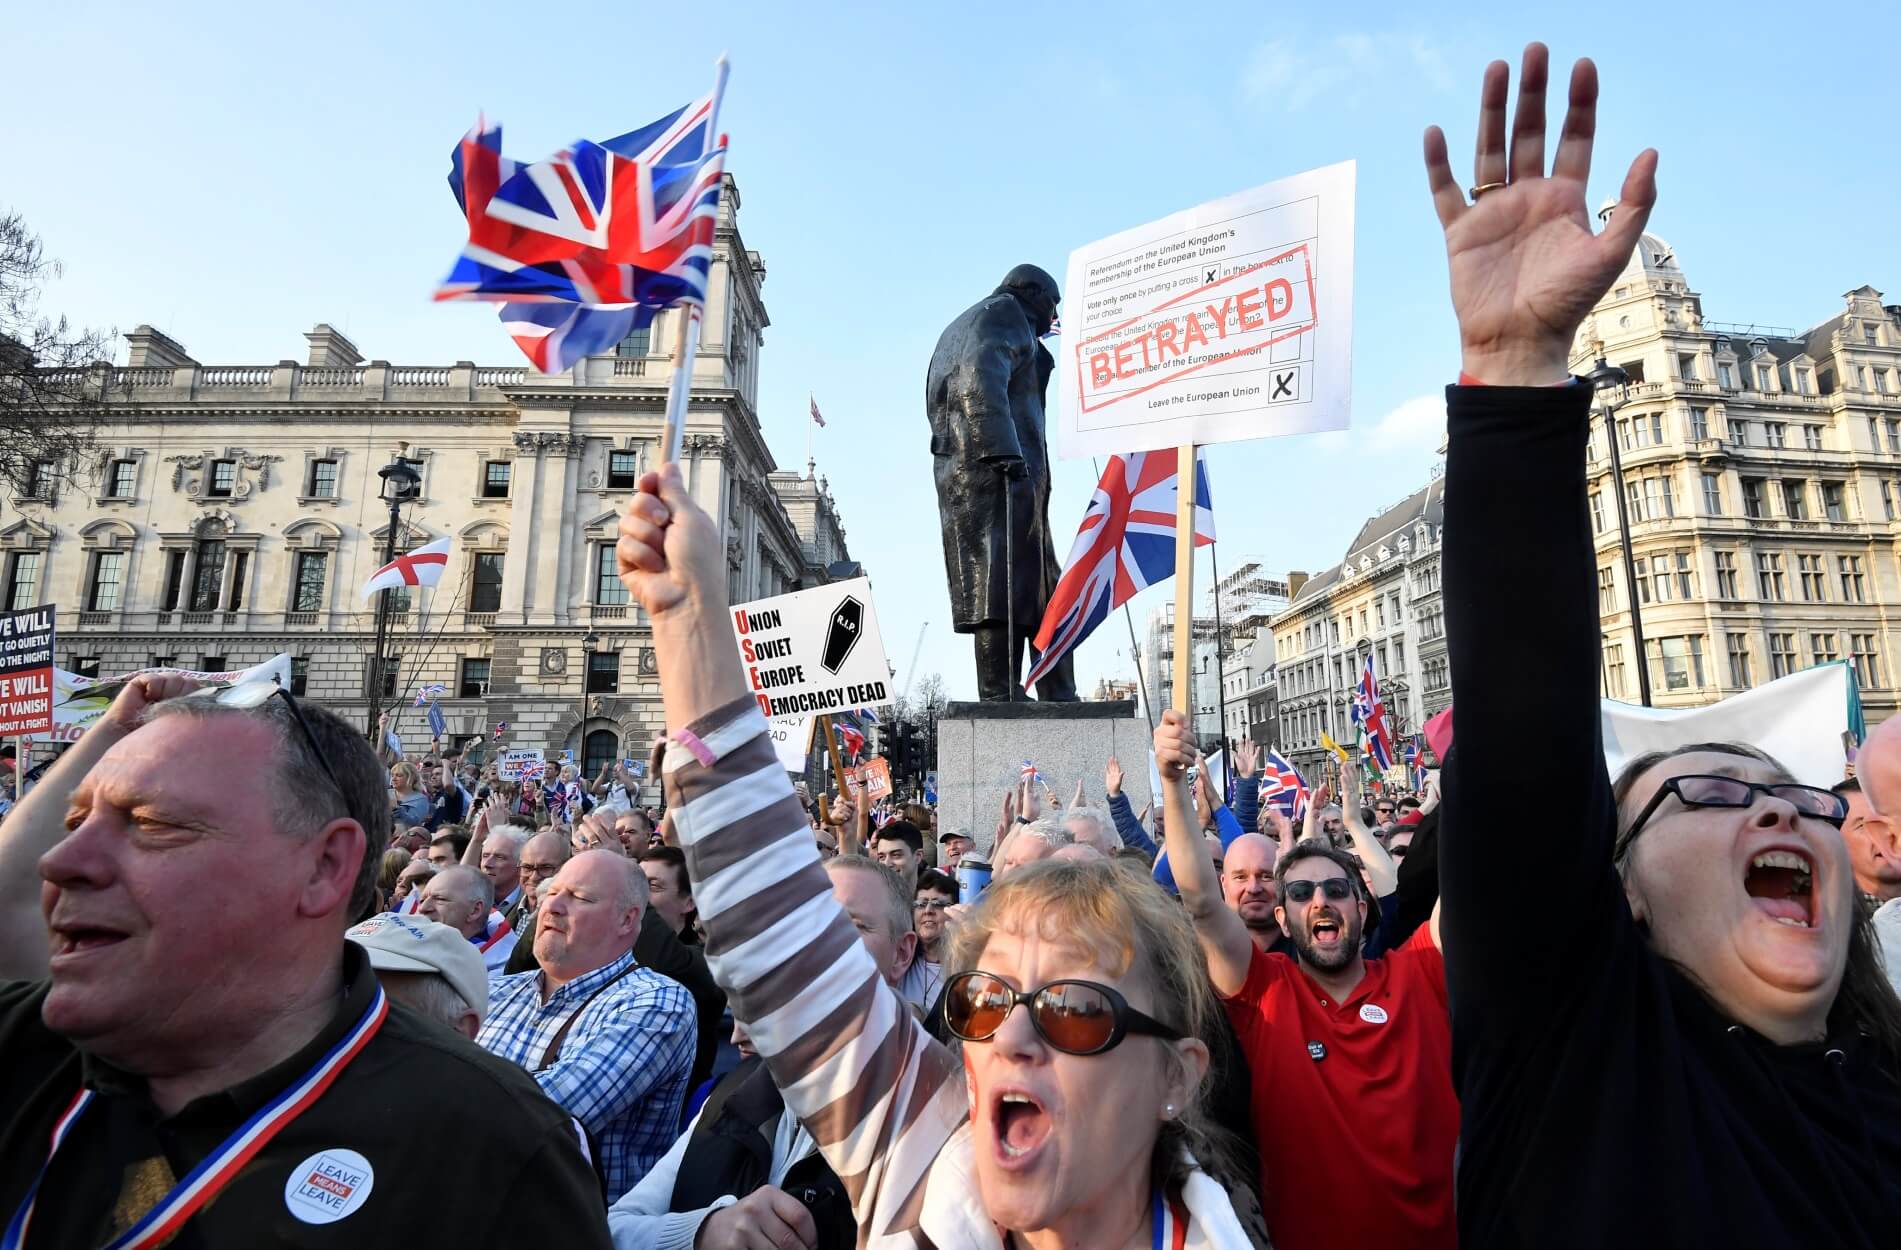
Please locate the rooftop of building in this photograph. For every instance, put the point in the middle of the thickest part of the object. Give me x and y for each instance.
(1381, 538)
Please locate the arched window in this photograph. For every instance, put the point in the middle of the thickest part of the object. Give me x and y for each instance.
(599, 750)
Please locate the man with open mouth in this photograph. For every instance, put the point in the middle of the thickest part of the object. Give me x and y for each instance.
(1351, 1052)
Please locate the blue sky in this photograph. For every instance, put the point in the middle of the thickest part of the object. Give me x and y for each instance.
(237, 173)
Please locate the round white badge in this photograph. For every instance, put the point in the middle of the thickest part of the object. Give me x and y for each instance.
(1372, 1013)
(328, 1186)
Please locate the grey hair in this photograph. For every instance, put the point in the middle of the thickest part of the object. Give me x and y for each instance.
(514, 835)
(1051, 831)
(1102, 830)
(430, 994)
(898, 911)
(479, 884)
(305, 798)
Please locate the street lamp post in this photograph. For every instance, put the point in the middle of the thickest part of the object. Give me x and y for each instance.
(588, 645)
(401, 484)
(1610, 384)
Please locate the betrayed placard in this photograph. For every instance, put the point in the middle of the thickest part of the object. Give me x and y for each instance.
(26, 670)
(815, 650)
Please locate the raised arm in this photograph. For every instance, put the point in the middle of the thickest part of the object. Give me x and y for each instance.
(856, 1066)
(1525, 270)
(1224, 939)
(1381, 871)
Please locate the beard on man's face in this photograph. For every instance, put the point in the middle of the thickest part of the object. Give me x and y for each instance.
(1325, 934)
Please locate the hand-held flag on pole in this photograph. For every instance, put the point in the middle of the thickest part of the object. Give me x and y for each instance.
(422, 567)
(431, 692)
(584, 247)
(1126, 544)
(1282, 786)
(1329, 744)
(1370, 713)
(438, 725)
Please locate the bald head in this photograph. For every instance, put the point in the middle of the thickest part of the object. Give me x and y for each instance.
(1077, 853)
(1248, 886)
(1878, 767)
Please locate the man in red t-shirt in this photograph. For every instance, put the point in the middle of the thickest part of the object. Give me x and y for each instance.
(1349, 1058)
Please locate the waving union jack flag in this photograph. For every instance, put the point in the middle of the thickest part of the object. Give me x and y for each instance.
(584, 247)
(1126, 544)
(1282, 786)
(1370, 713)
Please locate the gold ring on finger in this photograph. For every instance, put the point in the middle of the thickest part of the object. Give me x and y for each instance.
(1482, 188)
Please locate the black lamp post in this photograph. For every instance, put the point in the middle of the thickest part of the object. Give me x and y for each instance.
(1611, 385)
(588, 646)
(401, 485)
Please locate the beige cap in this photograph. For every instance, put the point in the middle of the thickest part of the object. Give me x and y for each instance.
(418, 944)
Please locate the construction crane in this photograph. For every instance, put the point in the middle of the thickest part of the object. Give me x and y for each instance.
(916, 651)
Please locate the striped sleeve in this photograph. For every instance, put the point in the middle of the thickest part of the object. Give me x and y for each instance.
(878, 1095)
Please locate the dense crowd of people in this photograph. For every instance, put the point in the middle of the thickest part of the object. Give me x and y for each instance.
(267, 987)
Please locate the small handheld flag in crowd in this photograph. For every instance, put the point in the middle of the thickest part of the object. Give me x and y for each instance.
(1282, 786)
(1339, 752)
(430, 693)
(1029, 770)
(422, 567)
(501, 728)
(1369, 712)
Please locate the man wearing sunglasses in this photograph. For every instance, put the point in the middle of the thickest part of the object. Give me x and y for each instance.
(1357, 1051)
(173, 900)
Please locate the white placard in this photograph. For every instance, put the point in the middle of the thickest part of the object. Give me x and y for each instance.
(813, 650)
(792, 739)
(1229, 321)
(514, 763)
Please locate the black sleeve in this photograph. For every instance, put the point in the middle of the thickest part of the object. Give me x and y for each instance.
(1418, 881)
(555, 1193)
(1522, 631)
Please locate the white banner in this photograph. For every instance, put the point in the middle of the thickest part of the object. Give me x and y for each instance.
(792, 739)
(813, 650)
(1229, 321)
(515, 763)
(79, 701)
(1798, 720)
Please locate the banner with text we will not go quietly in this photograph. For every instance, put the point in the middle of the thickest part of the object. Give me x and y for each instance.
(26, 671)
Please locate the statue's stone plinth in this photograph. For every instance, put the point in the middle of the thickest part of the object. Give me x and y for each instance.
(981, 748)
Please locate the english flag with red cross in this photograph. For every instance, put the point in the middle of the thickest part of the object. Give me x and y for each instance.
(422, 567)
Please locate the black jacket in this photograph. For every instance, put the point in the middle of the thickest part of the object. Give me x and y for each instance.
(1605, 1101)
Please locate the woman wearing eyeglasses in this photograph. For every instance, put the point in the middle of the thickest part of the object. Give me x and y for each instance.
(1688, 1044)
(1073, 1115)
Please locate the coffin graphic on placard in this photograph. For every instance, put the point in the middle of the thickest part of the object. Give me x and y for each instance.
(848, 621)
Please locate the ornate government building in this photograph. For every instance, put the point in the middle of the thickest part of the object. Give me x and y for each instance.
(232, 513)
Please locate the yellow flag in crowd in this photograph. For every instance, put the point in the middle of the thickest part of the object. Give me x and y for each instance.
(1339, 751)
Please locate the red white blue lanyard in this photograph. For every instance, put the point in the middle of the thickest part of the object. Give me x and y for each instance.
(162, 1221)
(1170, 1224)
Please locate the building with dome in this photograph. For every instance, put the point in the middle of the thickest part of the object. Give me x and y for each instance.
(1761, 484)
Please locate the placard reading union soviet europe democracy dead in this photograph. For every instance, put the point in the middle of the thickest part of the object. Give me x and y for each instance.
(815, 650)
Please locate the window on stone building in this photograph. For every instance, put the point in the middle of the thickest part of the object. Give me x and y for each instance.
(1635, 368)
(1775, 433)
(609, 589)
(1699, 425)
(1659, 582)
(1597, 511)
(1832, 505)
(1379, 613)
(1677, 663)
(1822, 648)
(1725, 377)
(1854, 589)
(1686, 366)
(174, 580)
(323, 480)
(39, 480)
(603, 672)
(1812, 437)
(1765, 378)
(1686, 575)
(1726, 575)
(1634, 496)
(1606, 591)
(623, 469)
(1881, 379)
(224, 476)
(240, 569)
(1770, 584)
(104, 587)
(1814, 580)
(299, 675)
(86, 665)
(599, 752)
(1861, 377)
(1781, 655)
(1614, 669)
(1894, 437)
(1804, 382)
(1399, 656)
(164, 661)
(23, 579)
(1869, 334)
(121, 478)
(474, 680)
(636, 343)
(1867, 660)
(385, 674)
(485, 585)
(1795, 501)
(213, 664)
(495, 479)
(1712, 494)
(207, 579)
(1739, 661)
(306, 593)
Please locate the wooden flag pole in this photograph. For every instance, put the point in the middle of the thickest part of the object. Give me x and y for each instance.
(1185, 580)
(838, 767)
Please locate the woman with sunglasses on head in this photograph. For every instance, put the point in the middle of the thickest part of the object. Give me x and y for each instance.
(1074, 1117)
(1689, 1044)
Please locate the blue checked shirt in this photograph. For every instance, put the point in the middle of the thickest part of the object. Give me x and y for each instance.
(623, 1066)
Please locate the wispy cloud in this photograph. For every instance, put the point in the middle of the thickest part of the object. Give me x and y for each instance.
(1294, 72)
(1419, 424)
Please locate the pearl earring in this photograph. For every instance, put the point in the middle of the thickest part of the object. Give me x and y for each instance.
(1168, 1111)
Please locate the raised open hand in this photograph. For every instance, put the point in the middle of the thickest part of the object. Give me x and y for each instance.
(1525, 264)
(1112, 777)
(1247, 757)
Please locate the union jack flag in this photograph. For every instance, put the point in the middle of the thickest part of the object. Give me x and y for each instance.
(434, 690)
(1029, 770)
(816, 418)
(501, 727)
(1416, 761)
(1282, 786)
(851, 735)
(1125, 545)
(1370, 714)
(604, 233)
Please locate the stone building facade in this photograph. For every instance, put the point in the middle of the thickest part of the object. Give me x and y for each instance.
(232, 513)
(1762, 480)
